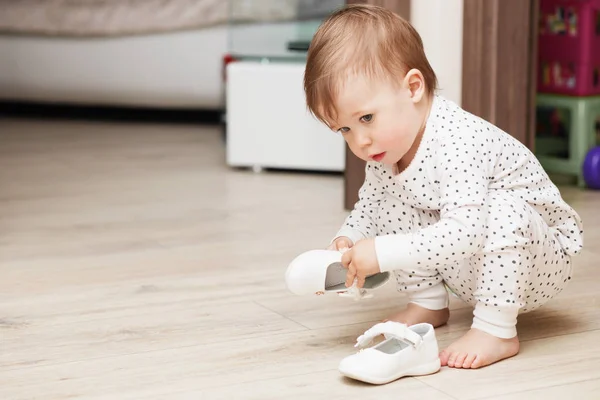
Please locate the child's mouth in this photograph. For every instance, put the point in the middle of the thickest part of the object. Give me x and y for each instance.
(378, 157)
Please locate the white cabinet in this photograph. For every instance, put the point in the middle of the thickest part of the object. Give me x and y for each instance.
(268, 123)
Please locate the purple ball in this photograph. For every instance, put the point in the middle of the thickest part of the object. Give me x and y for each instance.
(591, 168)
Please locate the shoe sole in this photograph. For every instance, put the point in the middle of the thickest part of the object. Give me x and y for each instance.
(421, 370)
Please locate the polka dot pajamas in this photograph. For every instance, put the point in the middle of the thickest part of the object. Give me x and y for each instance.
(473, 212)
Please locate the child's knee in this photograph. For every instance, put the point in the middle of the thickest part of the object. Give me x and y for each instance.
(513, 224)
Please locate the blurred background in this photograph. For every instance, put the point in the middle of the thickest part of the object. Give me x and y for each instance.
(168, 60)
(172, 54)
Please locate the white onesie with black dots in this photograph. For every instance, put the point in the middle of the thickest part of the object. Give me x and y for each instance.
(473, 211)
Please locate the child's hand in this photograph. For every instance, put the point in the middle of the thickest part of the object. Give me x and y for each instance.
(340, 243)
(361, 261)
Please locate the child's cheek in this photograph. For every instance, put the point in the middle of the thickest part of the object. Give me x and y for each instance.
(394, 139)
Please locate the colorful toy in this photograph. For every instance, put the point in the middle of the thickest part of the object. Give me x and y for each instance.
(568, 58)
(591, 168)
(567, 128)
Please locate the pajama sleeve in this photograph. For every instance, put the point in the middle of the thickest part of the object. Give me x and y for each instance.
(462, 166)
(361, 223)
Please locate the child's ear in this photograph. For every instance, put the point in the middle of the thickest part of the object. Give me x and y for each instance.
(415, 83)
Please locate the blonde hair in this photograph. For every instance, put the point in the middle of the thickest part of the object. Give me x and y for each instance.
(364, 40)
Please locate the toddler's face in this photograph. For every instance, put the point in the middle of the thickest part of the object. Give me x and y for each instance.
(380, 122)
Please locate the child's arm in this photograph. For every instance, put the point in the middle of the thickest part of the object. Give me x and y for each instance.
(463, 167)
(360, 224)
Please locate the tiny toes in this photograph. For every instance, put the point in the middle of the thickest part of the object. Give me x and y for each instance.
(460, 360)
(444, 358)
(469, 360)
(452, 360)
(477, 362)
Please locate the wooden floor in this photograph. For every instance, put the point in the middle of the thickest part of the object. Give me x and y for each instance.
(135, 265)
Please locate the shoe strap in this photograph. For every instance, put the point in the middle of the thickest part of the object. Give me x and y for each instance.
(356, 293)
(390, 329)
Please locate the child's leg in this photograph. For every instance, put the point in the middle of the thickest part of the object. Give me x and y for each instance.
(521, 267)
(424, 287)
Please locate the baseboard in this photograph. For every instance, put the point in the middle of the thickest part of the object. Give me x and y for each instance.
(60, 111)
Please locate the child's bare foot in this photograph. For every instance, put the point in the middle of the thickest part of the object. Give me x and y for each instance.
(477, 349)
(414, 314)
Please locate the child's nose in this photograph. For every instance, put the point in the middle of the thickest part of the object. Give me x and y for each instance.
(364, 139)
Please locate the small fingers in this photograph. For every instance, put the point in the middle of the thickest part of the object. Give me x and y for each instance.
(339, 244)
(345, 244)
(350, 275)
(346, 259)
(360, 281)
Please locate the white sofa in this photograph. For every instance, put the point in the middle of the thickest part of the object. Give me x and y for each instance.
(157, 53)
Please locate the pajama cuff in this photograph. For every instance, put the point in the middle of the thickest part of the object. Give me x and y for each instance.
(497, 321)
(433, 298)
(353, 234)
(395, 251)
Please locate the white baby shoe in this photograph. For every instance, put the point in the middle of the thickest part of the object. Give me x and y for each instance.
(406, 351)
(321, 271)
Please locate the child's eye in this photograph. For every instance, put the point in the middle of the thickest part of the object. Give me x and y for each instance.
(367, 118)
(344, 129)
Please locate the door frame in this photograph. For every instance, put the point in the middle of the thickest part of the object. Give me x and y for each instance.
(500, 64)
(499, 72)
